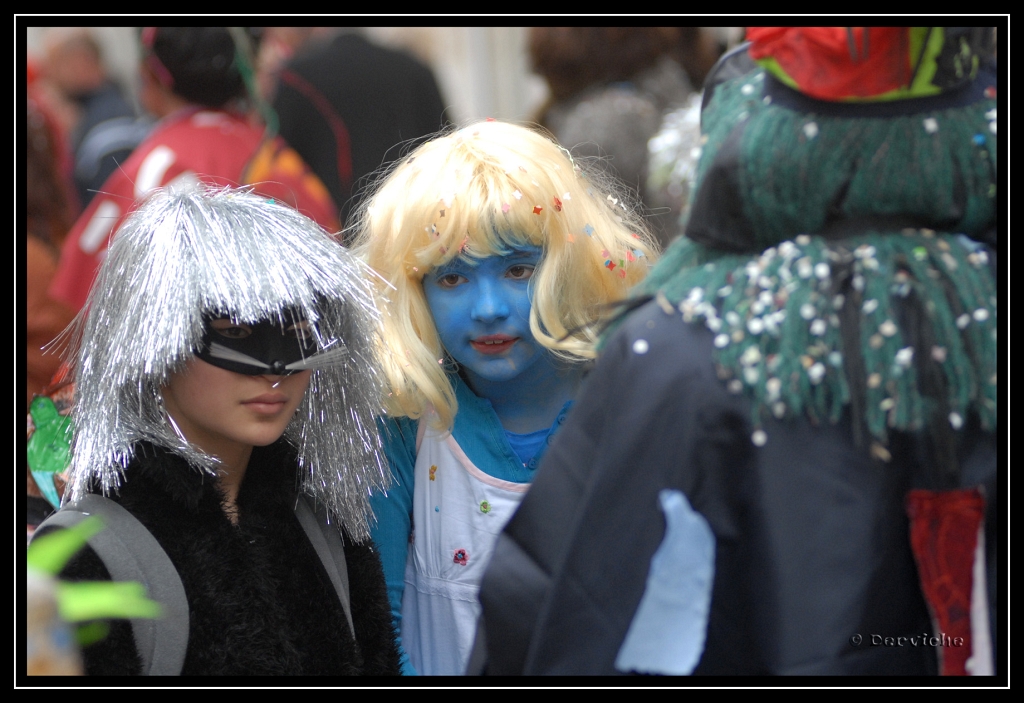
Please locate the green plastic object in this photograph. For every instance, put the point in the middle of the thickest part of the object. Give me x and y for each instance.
(49, 447)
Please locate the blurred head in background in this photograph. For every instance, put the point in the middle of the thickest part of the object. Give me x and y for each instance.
(195, 65)
(573, 58)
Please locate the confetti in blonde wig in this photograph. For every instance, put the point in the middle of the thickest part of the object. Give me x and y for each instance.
(481, 191)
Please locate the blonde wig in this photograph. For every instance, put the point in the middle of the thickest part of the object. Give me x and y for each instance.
(482, 191)
(198, 250)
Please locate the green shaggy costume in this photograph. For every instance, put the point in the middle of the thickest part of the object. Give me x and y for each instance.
(778, 307)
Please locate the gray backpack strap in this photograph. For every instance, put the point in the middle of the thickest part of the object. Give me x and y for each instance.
(131, 553)
(326, 540)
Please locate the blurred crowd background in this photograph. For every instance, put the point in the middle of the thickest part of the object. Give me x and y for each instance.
(481, 71)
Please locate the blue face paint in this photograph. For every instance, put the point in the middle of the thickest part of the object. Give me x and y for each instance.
(481, 309)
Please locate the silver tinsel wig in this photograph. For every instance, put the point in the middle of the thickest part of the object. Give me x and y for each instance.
(189, 252)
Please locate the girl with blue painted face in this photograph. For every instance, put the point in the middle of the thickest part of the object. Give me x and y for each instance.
(497, 254)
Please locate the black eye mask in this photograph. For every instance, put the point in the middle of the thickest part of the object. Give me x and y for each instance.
(259, 348)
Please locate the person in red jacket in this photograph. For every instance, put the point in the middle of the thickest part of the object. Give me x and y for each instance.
(193, 80)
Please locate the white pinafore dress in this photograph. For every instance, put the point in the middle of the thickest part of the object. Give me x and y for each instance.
(458, 511)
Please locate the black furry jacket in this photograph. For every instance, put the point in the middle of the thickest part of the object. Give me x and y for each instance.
(260, 601)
